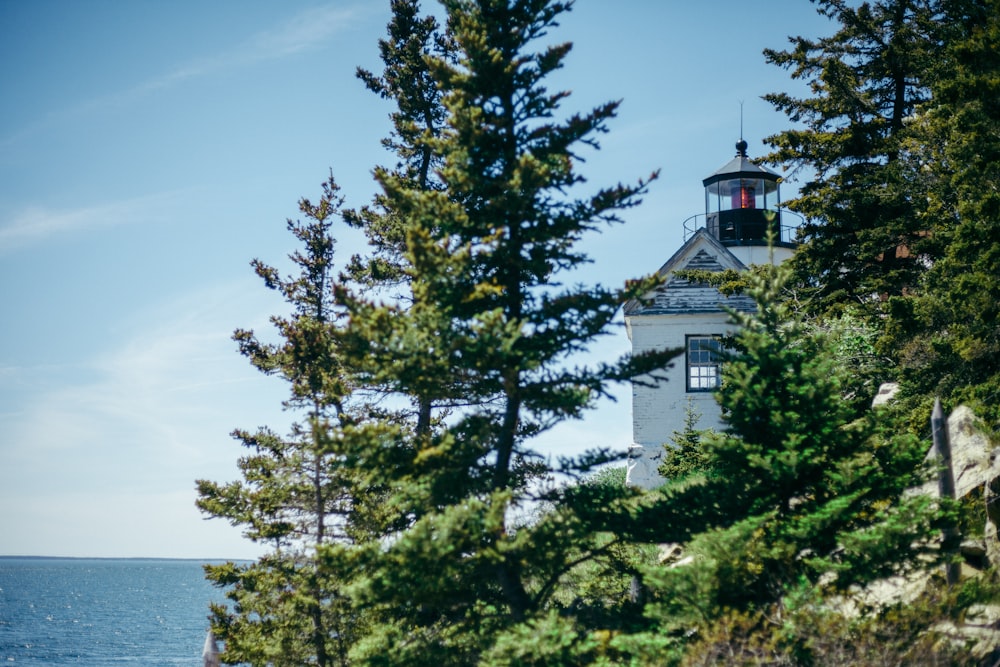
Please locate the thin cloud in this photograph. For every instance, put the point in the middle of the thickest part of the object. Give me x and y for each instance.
(109, 450)
(303, 31)
(155, 402)
(306, 30)
(34, 224)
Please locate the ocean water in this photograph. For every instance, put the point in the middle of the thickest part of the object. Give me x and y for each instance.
(103, 613)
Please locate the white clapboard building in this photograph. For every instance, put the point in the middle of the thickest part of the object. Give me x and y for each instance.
(742, 202)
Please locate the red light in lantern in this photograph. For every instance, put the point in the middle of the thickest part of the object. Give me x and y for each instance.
(743, 196)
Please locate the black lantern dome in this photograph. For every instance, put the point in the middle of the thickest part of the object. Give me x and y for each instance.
(742, 201)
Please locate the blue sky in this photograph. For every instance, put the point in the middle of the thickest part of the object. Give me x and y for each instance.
(150, 150)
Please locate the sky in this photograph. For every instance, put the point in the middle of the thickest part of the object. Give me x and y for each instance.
(150, 150)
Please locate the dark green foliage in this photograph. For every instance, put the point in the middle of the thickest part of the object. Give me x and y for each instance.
(390, 356)
(898, 143)
(862, 235)
(796, 491)
(276, 603)
(601, 589)
(419, 118)
(489, 333)
(412, 520)
(296, 494)
(427, 565)
(947, 333)
(684, 455)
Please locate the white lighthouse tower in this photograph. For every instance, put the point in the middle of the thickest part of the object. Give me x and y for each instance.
(742, 203)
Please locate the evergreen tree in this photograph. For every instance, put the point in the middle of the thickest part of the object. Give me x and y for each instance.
(947, 332)
(796, 493)
(409, 536)
(863, 235)
(391, 358)
(296, 493)
(684, 455)
(304, 578)
(419, 117)
(484, 257)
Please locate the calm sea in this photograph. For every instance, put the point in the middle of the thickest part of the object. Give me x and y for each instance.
(100, 613)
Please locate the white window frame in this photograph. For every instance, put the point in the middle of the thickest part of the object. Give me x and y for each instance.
(702, 363)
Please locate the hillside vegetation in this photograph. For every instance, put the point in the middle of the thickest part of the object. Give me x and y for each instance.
(411, 519)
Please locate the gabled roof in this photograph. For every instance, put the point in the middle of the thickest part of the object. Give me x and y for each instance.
(676, 296)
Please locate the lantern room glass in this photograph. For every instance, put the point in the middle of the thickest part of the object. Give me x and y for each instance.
(741, 193)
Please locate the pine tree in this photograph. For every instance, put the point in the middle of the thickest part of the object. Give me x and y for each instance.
(863, 236)
(946, 331)
(684, 455)
(296, 493)
(796, 494)
(390, 358)
(418, 118)
(484, 257)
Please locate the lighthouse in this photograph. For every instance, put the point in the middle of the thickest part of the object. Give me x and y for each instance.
(742, 208)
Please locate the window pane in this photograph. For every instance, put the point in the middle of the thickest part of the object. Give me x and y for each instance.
(703, 362)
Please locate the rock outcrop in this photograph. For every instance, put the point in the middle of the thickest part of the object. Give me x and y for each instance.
(976, 468)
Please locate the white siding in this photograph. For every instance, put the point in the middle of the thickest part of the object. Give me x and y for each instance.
(662, 320)
(757, 254)
(658, 411)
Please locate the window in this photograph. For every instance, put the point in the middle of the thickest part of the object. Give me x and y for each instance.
(704, 363)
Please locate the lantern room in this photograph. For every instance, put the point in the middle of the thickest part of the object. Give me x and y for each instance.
(742, 201)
